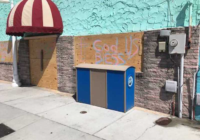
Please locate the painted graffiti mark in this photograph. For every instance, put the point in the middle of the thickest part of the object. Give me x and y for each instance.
(98, 58)
(82, 46)
(111, 52)
(96, 47)
(132, 43)
(113, 49)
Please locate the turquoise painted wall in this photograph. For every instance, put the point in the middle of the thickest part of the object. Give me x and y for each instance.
(88, 17)
(4, 11)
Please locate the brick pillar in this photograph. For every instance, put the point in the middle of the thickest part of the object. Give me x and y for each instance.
(6, 72)
(65, 62)
(24, 62)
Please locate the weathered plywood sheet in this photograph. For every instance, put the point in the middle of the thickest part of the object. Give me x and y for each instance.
(113, 49)
(6, 52)
(48, 76)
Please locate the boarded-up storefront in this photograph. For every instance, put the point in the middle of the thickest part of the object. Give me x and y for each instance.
(43, 64)
(49, 56)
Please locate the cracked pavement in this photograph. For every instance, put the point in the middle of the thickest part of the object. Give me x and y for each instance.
(38, 114)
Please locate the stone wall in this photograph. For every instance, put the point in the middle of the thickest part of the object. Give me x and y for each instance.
(24, 62)
(191, 65)
(65, 62)
(159, 67)
(6, 72)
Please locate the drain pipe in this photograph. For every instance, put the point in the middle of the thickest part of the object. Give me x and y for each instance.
(178, 87)
(193, 95)
(181, 87)
(190, 2)
(194, 88)
(16, 82)
(182, 63)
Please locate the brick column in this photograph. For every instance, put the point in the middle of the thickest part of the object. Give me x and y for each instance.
(24, 62)
(6, 72)
(65, 62)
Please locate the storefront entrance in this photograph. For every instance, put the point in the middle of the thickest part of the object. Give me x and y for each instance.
(43, 64)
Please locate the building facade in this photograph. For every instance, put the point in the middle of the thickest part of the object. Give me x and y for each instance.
(114, 32)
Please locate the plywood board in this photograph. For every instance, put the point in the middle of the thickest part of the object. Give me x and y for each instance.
(48, 76)
(6, 52)
(112, 49)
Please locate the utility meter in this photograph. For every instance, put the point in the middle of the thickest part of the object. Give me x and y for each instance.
(177, 43)
(173, 43)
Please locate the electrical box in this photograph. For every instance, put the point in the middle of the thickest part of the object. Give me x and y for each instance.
(198, 99)
(162, 46)
(171, 86)
(177, 44)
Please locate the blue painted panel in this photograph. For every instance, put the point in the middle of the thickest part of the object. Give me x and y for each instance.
(115, 90)
(130, 88)
(197, 113)
(83, 85)
(198, 82)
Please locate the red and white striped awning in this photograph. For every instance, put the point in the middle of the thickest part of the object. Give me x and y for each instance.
(34, 16)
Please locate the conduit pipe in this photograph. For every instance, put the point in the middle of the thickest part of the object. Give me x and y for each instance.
(16, 82)
(182, 63)
(193, 96)
(194, 89)
(190, 2)
(181, 87)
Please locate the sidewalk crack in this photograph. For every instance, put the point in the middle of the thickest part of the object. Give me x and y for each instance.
(145, 131)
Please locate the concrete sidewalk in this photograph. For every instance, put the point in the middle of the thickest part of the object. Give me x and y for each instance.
(39, 114)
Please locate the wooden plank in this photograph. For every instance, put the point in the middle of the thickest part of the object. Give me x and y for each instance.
(40, 37)
(46, 44)
(112, 49)
(6, 52)
(48, 77)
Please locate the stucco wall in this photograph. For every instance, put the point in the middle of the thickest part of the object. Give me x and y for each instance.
(86, 17)
(4, 11)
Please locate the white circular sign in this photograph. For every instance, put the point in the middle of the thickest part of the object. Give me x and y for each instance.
(130, 81)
